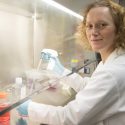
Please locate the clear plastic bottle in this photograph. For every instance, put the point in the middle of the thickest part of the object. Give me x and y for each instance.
(46, 60)
(20, 88)
(5, 118)
(18, 85)
(21, 93)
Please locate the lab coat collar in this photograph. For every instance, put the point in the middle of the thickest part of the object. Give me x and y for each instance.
(116, 53)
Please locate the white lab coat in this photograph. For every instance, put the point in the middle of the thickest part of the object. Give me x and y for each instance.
(100, 100)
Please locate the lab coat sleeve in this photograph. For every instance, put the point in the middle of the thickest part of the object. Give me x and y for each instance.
(75, 80)
(97, 101)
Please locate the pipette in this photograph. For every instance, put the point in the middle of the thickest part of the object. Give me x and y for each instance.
(46, 85)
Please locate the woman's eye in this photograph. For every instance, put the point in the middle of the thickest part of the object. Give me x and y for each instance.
(102, 25)
(89, 26)
(98, 26)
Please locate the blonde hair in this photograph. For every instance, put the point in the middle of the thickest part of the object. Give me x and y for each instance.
(118, 15)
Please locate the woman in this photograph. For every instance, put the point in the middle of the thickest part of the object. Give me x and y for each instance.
(100, 100)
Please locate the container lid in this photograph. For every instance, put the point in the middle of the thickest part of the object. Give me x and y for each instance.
(18, 80)
(3, 94)
(74, 60)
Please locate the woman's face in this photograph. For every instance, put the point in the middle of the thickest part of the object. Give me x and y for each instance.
(100, 29)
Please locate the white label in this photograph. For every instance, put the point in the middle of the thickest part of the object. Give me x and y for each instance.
(23, 92)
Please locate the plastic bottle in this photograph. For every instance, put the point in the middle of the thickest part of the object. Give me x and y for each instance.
(20, 88)
(21, 93)
(46, 60)
(18, 85)
(5, 118)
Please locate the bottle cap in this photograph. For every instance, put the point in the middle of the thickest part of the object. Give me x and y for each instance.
(3, 94)
(18, 80)
(50, 52)
(74, 60)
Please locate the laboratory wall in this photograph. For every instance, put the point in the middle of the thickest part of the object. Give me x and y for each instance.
(16, 38)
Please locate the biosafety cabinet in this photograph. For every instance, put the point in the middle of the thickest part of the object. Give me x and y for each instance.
(29, 26)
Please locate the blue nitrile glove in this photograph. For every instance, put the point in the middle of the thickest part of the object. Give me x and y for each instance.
(21, 121)
(23, 108)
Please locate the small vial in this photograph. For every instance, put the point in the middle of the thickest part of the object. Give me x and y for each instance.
(74, 64)
(5, 118)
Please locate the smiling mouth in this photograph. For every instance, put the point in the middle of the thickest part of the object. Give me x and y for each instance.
(96, 40)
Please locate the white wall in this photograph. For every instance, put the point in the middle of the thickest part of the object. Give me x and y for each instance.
(16, 47)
